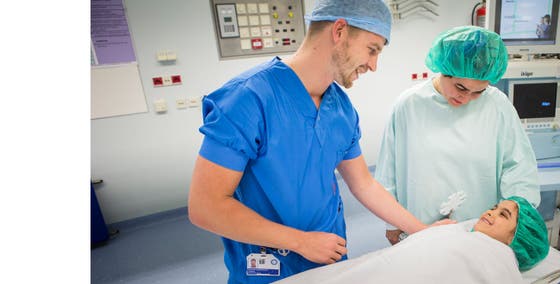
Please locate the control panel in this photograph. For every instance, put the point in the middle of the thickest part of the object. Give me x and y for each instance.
(247, 28)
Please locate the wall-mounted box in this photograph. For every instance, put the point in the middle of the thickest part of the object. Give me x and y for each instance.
(248, 28)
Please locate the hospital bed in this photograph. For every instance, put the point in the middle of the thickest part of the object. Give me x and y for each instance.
(550, 202)
(483, 254)
(549, 180)
(546, 272)
(550, 267)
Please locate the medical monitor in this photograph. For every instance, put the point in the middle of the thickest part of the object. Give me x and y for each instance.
(535, 100)
(526, 26)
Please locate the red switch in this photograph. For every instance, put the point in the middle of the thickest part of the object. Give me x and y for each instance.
(414, 76)
(176, 79)
(158, 81)
(425, 75)
(256, 43)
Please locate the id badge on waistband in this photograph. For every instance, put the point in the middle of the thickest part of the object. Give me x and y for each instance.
(259, 264)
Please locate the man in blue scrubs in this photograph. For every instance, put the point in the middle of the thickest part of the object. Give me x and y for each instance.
(274, 135)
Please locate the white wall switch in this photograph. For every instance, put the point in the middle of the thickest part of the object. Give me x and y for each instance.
(194, 102)
(166, 55)
(161, 56)
(160, 105)
(171, 55)
(181, 103)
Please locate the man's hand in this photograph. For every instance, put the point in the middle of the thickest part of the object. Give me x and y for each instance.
(321, 247)
(393, 236)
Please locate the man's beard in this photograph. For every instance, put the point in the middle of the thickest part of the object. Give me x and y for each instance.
(341, 59)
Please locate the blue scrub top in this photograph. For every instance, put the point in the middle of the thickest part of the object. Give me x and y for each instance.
(264, 123)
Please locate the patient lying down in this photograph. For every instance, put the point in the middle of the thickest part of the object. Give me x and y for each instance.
(506, 239)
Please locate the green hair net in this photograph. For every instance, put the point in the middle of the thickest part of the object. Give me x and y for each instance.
(530, 243)
(469, 52)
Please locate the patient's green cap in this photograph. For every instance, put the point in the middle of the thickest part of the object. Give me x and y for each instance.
(469, 52)
(530, 243)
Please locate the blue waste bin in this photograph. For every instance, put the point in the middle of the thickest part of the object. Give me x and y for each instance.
(99, 232)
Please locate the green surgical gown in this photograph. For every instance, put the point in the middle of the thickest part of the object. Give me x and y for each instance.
(431, 150)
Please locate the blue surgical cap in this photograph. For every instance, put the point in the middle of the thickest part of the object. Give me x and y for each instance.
(469, 52)
(370, 15)
(530, 242)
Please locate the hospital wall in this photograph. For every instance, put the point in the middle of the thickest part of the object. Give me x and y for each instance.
(146, 160)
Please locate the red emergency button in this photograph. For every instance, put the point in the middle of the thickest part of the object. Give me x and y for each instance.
(256, 43)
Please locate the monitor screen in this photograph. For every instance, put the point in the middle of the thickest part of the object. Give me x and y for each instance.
(535, 100)
(527, 26)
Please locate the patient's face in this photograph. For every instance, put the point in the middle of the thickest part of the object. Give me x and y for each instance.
(499, 222)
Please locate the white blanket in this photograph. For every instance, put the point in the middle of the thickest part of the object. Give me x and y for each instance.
(444, 254)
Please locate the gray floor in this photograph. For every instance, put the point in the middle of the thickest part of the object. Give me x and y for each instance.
(167, 248)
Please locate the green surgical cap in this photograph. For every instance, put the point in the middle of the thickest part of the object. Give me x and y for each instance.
(530, 243)
(469, 52)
